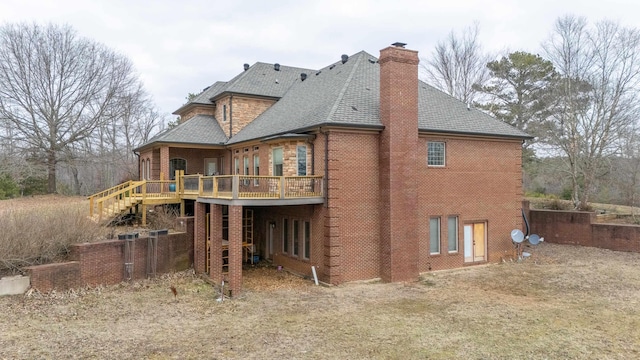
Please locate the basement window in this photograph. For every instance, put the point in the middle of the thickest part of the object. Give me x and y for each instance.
(436, 153)
(434, 235)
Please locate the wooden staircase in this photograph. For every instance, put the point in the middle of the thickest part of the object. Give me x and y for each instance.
(115, 201)
(107, 204)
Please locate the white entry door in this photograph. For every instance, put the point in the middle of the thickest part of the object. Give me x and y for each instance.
(475, 242)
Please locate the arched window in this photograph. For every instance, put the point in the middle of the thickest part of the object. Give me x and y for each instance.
(176, 164)
(148, 169)
(143, 167)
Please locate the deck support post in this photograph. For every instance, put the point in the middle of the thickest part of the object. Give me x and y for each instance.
(235, 249)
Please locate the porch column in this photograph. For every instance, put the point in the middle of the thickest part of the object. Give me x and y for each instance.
(164, 163)
(235, 249)
(199, 237)
(215, 235)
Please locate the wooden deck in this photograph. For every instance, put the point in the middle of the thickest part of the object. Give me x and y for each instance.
(114, 201)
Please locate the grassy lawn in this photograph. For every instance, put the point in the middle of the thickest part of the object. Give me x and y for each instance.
(564, 302)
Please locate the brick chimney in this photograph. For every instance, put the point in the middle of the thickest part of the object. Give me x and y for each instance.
(398, 164)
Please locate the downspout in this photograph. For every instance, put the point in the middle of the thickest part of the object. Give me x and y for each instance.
(138, 155)
(311, 143)
(230, 116)
(326, 167)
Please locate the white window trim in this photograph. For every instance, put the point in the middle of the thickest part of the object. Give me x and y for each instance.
(444, 153)
(456, 234)
(439, 236)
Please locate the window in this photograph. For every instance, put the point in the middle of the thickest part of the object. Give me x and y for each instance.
(148, 169)
(211, 167)
(434, 235)
(143, 170)
(245, 162)
(435, 153)
(256, 169)
(296, 237)
(176, 164)
(285, 235)
(236, 163)
(224, 113)
(307, 239)
(452, 233)
(302, 160)
(277, 162)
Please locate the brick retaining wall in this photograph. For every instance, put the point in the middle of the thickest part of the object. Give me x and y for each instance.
(102, 263)
(580, 228)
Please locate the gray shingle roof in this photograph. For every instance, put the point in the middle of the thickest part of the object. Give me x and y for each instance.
(349, 94)
(340, 94)
(205, 96)
(263, 80)
(199, 130)
(327, 96)
(440, 112)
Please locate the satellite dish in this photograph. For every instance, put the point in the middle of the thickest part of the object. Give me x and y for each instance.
(534, 239)
(517, 236)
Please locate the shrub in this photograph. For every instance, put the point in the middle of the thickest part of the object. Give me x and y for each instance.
(8, 188)
(34, 185)
(163, 217)
(42, 235)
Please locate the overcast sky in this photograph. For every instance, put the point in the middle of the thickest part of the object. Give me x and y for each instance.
(183, 46)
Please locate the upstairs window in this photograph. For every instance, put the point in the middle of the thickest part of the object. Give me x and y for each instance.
(302, 160)
(224, 113)
(277, 162)
(436, 153)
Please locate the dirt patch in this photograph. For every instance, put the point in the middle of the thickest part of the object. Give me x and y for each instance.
(563, 302)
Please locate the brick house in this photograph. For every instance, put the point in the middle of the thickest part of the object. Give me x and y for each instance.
(375, 173)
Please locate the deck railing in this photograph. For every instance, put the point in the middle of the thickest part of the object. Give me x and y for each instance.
(221, 187)
(260, 187)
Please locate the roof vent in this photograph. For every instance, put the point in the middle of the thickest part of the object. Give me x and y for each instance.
(276, 67)
(246, 67)
(318, 73)
(303, 77)
(345, 58)
(399, 44)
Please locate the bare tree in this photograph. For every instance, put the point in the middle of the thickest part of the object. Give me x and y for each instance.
(56, 88)
(597, 96)
(457, 64)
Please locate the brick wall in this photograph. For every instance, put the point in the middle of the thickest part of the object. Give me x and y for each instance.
(481, 182)
(197, 110)
(195, 158)
(352, 220)
(241, 111)
(102, 263)
(563, 227)
(580, 228)
(59, 276)
(397, 163)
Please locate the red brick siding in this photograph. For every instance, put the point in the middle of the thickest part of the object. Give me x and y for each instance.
(199, 238)
(397, 163)
(481, 182)
(195, 158)
(352, 231)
